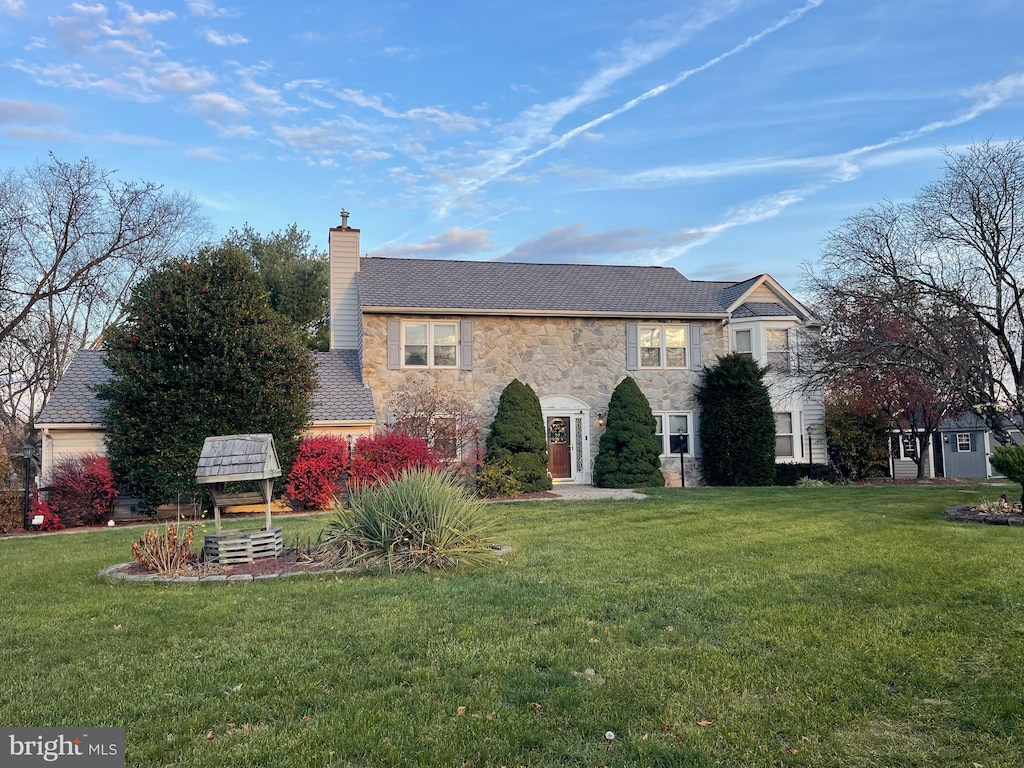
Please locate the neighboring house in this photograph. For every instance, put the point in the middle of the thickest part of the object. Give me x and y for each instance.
(570, 331)
(961, 448)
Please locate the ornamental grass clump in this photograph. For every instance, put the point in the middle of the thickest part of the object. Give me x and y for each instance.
(165, 553)
(422, 520)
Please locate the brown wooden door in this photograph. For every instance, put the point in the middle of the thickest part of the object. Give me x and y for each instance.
(558, 447)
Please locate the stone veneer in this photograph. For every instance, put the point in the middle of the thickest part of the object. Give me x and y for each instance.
(581, 357)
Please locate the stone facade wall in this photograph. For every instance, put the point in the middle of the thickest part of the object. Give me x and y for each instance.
(581, 357)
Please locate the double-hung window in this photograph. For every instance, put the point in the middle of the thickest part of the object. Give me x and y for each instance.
(744, 342)
(430, 345)
(784, 436)
(963, 442)
(779, 353)
(662, 346)
(678, 436)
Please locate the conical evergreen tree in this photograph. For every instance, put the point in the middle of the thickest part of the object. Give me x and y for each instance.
(518, 435)
(737, 426)
(629, 455)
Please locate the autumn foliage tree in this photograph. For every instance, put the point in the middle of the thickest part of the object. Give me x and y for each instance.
(200, 353)
(948, 268)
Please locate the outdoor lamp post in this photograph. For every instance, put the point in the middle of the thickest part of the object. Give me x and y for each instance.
(682, 457)
(26, 455)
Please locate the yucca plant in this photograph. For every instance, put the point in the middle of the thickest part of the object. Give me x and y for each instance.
(422, 520)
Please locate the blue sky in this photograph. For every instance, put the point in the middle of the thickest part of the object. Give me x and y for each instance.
(724, 138)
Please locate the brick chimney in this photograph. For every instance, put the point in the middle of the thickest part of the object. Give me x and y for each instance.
(346, 314)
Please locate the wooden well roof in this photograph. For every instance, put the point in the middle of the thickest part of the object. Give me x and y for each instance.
(230, 458)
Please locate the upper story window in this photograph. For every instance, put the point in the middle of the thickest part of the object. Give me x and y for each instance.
(744, 342)
(662, 346)
(429, 345)
(777, 344)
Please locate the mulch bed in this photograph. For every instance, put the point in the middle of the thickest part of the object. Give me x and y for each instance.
(287, 562)
(1004, 514)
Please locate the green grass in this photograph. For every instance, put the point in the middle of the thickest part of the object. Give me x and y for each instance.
(815, 627)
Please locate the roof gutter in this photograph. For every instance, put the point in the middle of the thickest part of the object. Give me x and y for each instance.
(539, 313)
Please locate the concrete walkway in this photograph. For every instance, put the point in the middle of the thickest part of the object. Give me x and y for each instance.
(588, 492)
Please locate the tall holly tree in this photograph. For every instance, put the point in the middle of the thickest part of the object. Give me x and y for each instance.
(517, 436)
(628, 455)
(737, 426)
(199, 353)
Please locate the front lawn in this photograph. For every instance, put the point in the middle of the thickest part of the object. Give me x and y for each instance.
(704, 627)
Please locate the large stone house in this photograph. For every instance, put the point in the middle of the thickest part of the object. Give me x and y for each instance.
(570, 331)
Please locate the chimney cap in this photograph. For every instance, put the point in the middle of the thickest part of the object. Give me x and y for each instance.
(344, 219)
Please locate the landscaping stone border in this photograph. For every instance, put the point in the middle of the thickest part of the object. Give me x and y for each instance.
(118, 573)
(968, 515)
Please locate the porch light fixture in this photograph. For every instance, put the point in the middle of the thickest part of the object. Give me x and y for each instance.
(601, 418)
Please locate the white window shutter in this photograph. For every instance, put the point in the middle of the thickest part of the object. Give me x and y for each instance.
(696, 360)
(394, 343)
(466, 345)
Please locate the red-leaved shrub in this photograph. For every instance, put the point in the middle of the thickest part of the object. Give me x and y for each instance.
(316, 475)
(51, 520)
(82, 490)
(382, 456)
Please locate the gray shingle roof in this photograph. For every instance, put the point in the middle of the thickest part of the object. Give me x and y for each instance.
(74, 400)
(340, 395)
(512, 286)
(762, 309)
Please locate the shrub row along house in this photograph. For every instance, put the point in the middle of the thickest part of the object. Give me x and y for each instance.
(570, 331)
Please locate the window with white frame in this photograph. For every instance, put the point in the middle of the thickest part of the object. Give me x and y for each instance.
(784, 436)
(779, 353)
(744, 342)
(662, 346)
(963, 442)
(678, 436)
(908, 447)
(429, 345)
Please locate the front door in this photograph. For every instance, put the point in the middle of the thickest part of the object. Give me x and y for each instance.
(559, 458)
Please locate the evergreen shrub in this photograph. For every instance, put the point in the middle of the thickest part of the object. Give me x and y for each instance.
(518, 436)
(737, 426)
(629, 453)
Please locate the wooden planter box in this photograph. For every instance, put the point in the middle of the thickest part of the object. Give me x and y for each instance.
(233, 547)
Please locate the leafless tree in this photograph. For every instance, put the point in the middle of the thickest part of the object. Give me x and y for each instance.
(948, 268)
(445, 419)
(74, 239)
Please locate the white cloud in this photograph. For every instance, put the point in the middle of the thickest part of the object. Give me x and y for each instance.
(28, 111)
(451, 242)
(172, 76)
(15, 8)
(217, 38)
(210, 9)
(446, 121)
(214, 104)
(369, 155)
(235, 131)
(133, 140)
(205, 153)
